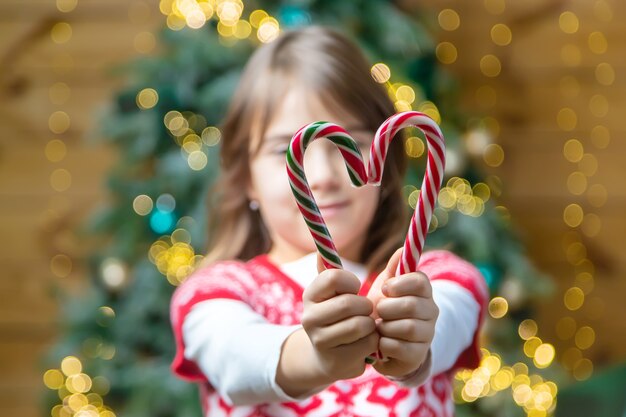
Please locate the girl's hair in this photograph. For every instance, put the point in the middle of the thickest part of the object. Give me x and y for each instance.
(334, 69)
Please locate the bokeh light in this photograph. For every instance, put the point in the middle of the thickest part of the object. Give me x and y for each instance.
(449, 19)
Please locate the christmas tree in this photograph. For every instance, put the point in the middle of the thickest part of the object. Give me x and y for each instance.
(115, 354)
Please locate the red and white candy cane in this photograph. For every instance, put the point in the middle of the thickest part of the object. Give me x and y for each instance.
(414, 242)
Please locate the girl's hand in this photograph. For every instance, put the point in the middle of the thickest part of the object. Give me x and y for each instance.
(406, 315)
(338, 323)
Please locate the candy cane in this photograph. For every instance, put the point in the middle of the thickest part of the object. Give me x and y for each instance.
(414, 242)
(302, 191)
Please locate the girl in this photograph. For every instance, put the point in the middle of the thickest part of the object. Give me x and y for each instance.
(262, 328)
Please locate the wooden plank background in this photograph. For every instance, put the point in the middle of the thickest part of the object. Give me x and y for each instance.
(37, 221)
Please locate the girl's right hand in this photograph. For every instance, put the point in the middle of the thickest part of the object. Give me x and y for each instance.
(338, 323)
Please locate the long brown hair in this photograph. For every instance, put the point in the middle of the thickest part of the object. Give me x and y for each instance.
(330, 64)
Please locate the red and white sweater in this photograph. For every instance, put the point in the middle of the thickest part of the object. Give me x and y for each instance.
(231, 319)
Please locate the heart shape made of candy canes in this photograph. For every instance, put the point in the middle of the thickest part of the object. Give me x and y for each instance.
(360, 176)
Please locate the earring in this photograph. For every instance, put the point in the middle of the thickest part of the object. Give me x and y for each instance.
(254, 205)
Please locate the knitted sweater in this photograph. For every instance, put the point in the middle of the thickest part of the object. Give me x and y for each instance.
(230, 320)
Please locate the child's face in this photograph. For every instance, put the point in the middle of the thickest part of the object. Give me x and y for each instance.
(347, 210)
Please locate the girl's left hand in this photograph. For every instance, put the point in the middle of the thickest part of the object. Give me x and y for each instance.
(406, 314)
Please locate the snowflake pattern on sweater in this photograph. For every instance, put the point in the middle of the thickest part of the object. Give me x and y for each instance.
(269, 292)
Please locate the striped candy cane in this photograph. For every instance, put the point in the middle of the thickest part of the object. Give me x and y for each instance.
(300, 186)
(414, 242)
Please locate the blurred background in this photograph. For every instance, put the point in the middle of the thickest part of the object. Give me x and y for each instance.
(109, 121)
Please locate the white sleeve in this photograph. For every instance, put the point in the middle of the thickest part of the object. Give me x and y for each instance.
(237, 350)
(454, 330)
(459, 313)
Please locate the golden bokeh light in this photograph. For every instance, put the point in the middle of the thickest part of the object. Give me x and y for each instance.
(527, 329)
(70, 365)
(211, 135)
(66, 6)
(566, 119)
(605, 74)
(59, 93)
(61, 265)
(59, 122)
(599, 105)
(256, 17)
(573, 298)
(490, 65)
(583, 369)
(414, 147)
(493, 155)
(600, 137)
(61, 32)
(573, 150)
(380, 72)
(585, 338)
(531, 345)
(142, 204)
(577, 183)
(565, 328)
(243, 29)
(197, 160)
(592, 224)
(60, 180)
(482, 191)
(573, 215)
(597, 43)
(576, 253)
(175, 22)
(268, 30)
(53, 379)
(568, 22)
(449, 20)
(585, 281)
(446, 52)
(544, 355)
(498, 307)
(501, 34)
(147, 98)
(55, 150)
(405, 93)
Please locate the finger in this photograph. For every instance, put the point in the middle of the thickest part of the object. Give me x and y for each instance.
(330, 283)
(362, 347)
(339, 308)
(408, 330)
(407, 307)
(402, 351)
(320, 264)
(342, 333)
(415, 283)
(392, 265)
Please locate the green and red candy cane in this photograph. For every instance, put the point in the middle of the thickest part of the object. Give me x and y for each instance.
(414, 242)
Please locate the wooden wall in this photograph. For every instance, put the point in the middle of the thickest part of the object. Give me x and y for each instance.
(47, 188)
(556, 65)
